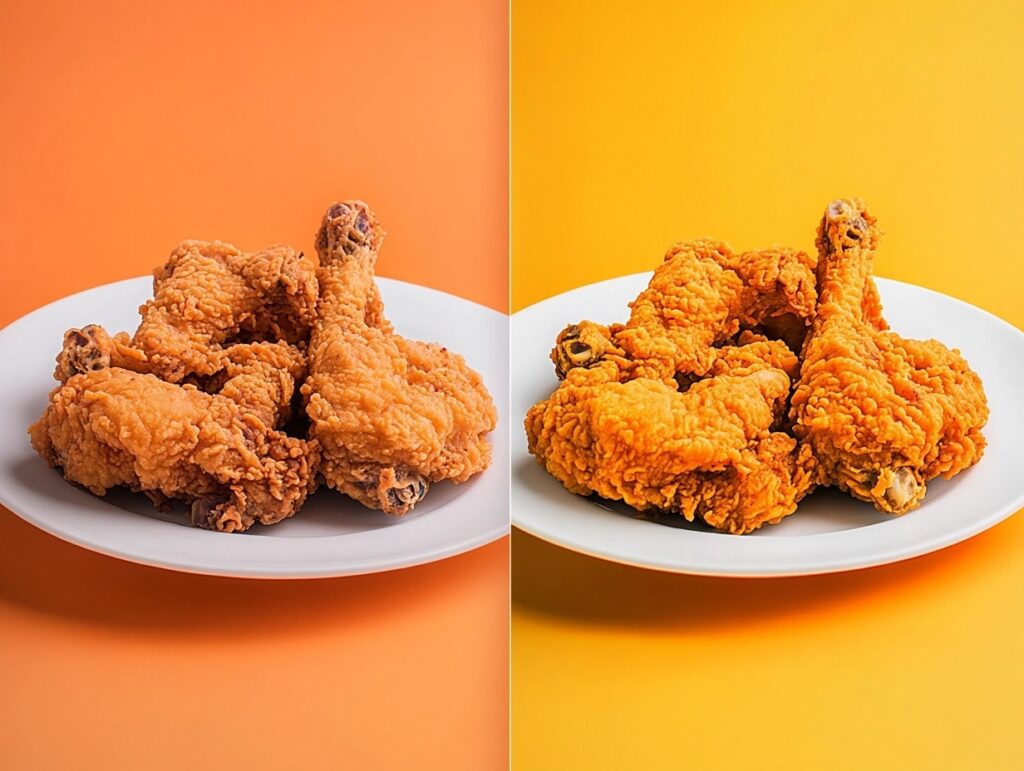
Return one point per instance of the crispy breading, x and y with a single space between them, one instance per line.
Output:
114 427
392 415
208 296
883 414
708 451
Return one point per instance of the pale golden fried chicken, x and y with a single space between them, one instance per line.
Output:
709 451
882 414
112 427
245 371
392 415
207 297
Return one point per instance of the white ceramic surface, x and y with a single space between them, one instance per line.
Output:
330 536
830 531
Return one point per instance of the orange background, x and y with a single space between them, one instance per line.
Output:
124 129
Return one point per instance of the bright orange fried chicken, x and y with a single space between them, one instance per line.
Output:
112 427
882 414
391 415
208 296
709 451
701 295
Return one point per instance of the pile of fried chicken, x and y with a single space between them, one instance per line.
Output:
253 376
741 382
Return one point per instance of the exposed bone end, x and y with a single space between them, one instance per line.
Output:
393 490
347 227
85 350
847 224
903 490
399 490
224 512
891 490
580 345
91 348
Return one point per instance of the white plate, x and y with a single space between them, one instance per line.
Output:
830 531
330 536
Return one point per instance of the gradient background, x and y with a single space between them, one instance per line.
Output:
125 127
638 125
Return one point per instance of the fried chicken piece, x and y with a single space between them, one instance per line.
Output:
392 415
113 427
245 371
709 451
701 295
882 414
208 296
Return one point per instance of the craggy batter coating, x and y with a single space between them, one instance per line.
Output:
680 408
684 407
701 295
208 295
882 414
114 427
259 376
186 408
709 451
392 415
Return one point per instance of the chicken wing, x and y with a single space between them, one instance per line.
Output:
701 295
207 297
882 414
249 372
392 415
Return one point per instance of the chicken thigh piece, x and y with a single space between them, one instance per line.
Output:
392 415
113 427
881 413
709 452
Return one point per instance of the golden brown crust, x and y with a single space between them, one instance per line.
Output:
207 297
113 427
187 407
392 415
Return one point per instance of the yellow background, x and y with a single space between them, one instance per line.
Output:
638 124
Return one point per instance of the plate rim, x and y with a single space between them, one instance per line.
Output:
935 543
234 567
